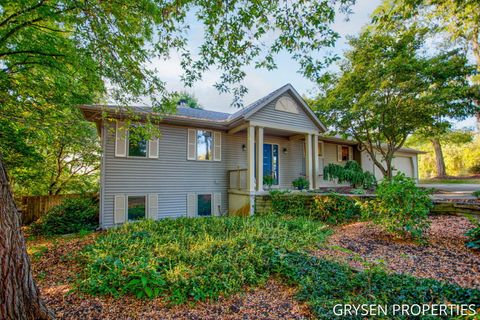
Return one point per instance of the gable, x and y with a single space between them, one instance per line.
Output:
285 110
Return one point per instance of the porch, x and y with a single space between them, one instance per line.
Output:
282 153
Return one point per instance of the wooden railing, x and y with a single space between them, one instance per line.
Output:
238 179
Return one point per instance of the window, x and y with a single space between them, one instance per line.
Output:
137 147
136 208
345 153
204 145
204 203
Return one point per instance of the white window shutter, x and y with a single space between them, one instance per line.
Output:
120 140
339 153
350 153
192 144
120 211
153 206
217 204
153 148
191 205
217 150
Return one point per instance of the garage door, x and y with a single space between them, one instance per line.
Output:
403 164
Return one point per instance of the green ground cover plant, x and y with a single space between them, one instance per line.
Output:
473 235
71 216
192 259
400 207
324 284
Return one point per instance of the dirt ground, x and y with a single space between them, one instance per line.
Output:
444 257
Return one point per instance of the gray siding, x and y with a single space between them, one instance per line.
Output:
270 115
172 176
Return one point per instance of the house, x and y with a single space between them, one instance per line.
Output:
206 163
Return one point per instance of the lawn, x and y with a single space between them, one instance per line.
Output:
217 268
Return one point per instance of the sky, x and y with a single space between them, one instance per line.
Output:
260 82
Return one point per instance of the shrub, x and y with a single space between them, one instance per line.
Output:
287 203
400 208
476 194
475 169
73 215
351 173
300 183
335 209
473 235
192 259
324 283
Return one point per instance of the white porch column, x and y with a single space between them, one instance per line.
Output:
308 160
250 159
315 161
259 137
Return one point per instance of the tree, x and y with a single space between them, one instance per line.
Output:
59 53
66 159
448 136
458 20
185 99
451 159
387 89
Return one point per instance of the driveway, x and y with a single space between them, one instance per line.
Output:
452 190
453 187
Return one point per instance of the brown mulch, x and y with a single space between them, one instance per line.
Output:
444 257
55 269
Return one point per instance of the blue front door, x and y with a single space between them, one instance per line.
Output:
270 161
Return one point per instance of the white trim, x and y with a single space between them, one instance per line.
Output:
118 201
152 206
308 160
259 160
315 161
217 146
250 159
238 128
121 139
282 127
191 205
153 149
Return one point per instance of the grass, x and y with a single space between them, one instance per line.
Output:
324 284
193 259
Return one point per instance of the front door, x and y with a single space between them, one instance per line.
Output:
270 161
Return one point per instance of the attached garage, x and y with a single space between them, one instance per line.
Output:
405 165
405 161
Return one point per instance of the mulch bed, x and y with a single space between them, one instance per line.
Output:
55 267
444 257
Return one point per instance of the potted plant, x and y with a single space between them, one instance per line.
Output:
300 183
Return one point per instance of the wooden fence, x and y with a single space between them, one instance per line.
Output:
33 207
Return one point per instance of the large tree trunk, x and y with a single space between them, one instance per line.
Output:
19 295
439 160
